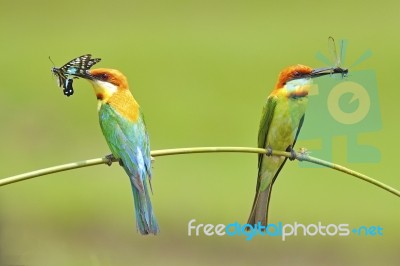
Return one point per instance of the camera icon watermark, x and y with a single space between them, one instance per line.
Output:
343 107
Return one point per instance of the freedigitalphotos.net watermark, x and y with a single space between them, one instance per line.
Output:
284 231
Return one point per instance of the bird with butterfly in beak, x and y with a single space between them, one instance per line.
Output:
122 123
281 121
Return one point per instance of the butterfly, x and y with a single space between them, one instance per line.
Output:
76 67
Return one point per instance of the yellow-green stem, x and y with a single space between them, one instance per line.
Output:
299 156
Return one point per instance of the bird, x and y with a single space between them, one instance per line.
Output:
123 126
281 121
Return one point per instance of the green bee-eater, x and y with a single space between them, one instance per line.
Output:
281 121
122 123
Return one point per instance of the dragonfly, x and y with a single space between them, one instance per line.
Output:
334 61
337 59
78 66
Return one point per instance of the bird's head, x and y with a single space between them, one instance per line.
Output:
297 79
106 82
111 87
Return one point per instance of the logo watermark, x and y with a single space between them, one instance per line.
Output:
281 230
343 106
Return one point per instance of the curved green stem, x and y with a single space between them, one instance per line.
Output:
302 156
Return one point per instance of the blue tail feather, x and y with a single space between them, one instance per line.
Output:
145 218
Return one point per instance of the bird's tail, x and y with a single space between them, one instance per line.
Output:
145 219
259 211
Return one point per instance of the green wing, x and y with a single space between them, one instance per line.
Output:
128 141
265 123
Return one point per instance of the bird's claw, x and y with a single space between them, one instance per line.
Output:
269 151
111 158
293 154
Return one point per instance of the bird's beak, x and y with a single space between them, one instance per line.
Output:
85 75
318 72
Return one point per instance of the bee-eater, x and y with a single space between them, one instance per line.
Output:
281 121
122 123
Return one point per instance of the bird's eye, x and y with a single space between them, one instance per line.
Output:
104 76
101 76
296 74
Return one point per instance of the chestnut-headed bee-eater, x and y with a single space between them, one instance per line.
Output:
123 126
281 121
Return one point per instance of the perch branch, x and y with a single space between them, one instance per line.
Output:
301 156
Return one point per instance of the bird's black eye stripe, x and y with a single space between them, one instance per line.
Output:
297 74
102 76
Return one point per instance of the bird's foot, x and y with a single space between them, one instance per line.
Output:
269 151
293 154
111 158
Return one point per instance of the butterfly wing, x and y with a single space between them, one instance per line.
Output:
61 77
76 67
80 65
68 89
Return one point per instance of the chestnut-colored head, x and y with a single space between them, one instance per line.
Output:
111 76
107 82
111 87
291 73
295 81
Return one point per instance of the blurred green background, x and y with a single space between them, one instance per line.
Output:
201 71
